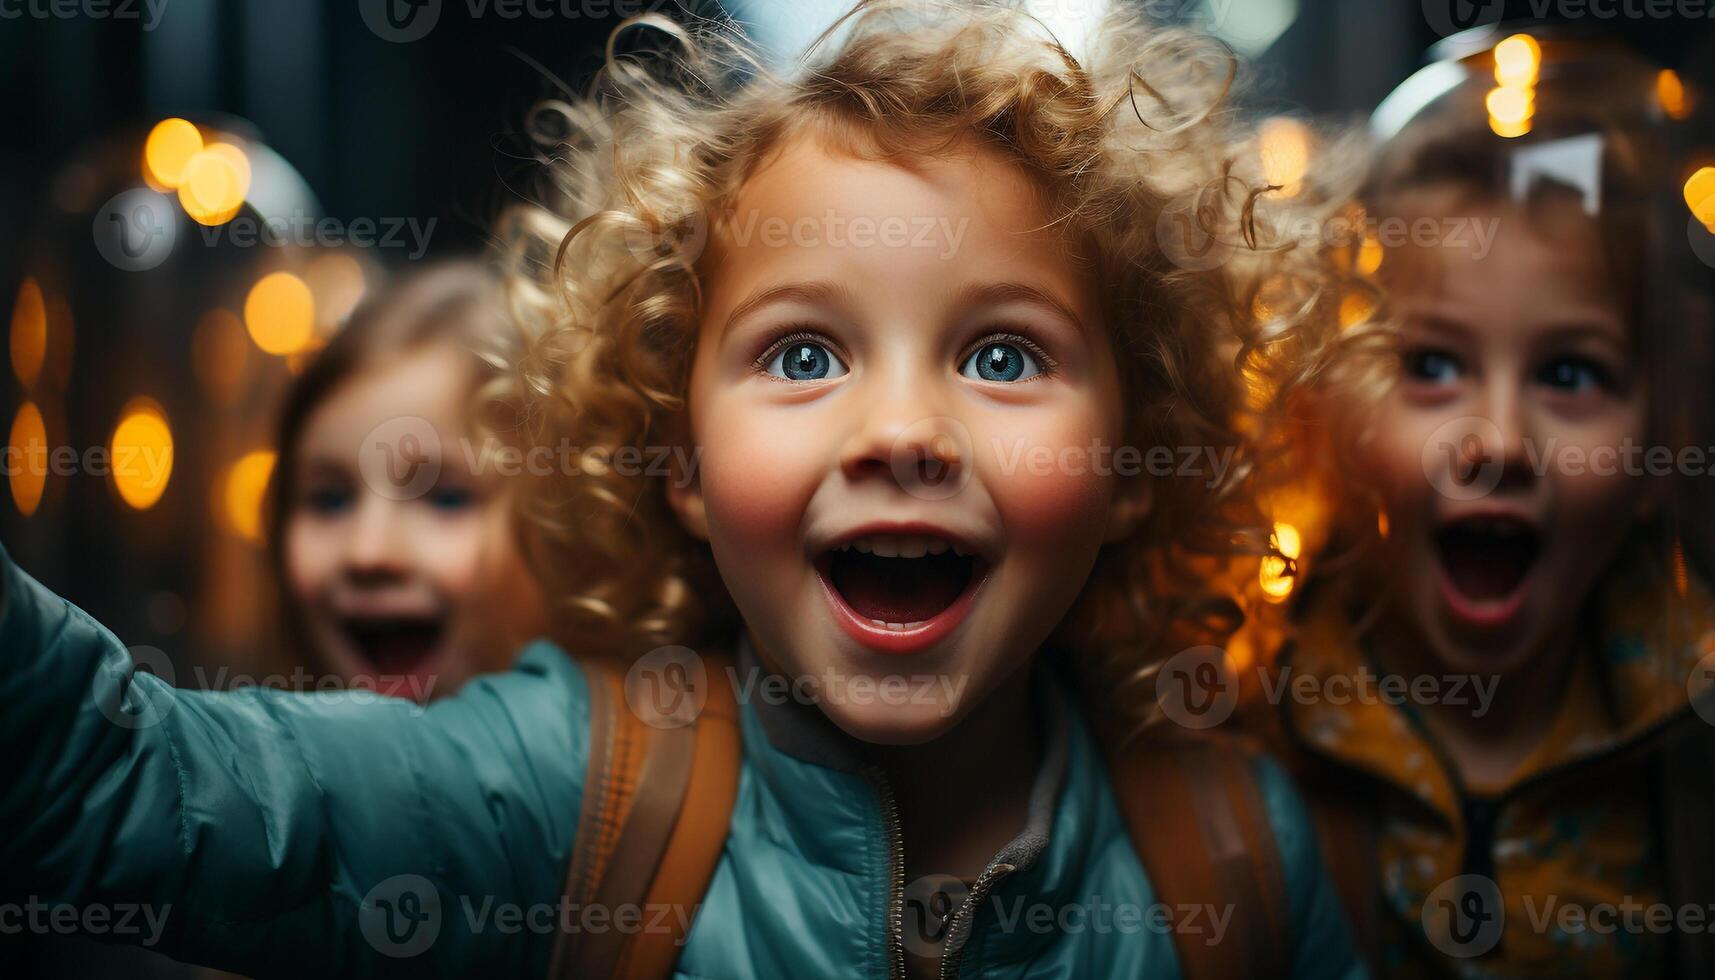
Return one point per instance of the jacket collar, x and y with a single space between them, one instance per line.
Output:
797 754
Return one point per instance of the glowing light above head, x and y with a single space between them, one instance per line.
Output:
169 147
214 184
1700 196
28 474
1510 110
1284 145
1518 59
141 453
1278 575
280 314
246 486
29 332
1670 92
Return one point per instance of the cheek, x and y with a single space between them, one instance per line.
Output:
757 471
1050 475
1593 471
450 551
1391 459
311 548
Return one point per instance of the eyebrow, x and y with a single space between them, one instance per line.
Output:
1564 328
977 294
813 293
832 293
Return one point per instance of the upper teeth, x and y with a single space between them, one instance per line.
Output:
901 545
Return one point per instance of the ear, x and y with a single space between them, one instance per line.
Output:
1132 501
685 490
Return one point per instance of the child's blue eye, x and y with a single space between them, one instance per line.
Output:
997 361
1434 366
450 498
806 360
327 501
1573 374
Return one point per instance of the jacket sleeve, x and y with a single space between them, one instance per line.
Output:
1322 938
280 834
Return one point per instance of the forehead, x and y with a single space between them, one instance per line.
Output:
431 382
1499 264
814 211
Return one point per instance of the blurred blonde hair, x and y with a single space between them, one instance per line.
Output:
604 277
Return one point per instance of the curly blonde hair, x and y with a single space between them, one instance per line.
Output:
1121 138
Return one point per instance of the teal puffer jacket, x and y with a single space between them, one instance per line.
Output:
279 834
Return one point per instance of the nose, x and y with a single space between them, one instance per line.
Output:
375 549
905 435
1505 407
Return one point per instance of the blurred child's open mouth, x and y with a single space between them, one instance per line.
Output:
1485 564
395 646
900 593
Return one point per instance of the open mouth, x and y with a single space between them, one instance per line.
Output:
900 592
395 644
1485 560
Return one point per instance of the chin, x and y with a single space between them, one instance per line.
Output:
1480 652
894 724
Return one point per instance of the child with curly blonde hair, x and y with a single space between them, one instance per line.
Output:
852 379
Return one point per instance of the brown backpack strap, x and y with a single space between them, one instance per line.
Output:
1200 828
1350 838
658 799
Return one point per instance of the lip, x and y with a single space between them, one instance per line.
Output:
1482 615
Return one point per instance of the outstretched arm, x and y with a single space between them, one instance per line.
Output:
283 834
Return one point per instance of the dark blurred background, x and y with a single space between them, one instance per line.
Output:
345 115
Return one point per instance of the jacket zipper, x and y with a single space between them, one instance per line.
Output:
1637 742
951 960
896 875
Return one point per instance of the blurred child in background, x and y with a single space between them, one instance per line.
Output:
390 523
1515 560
